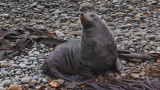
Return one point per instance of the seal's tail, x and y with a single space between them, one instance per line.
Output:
45 68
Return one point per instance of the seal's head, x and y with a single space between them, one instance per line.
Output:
89 20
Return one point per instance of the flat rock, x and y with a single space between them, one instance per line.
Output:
134 75
25 79
86 5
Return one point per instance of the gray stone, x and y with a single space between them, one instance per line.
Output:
25 60
103 10
5 73
123 74
126 26
36 52
158 49
2 88
131 64
40 7
32 58
44 80
86 5
25 80
33 5
18 72
6 82
4 15
134 75
22 65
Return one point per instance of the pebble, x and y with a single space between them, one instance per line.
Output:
133 24
5 73
131 64
25 80
103 10
4 15
135 76
22 65
44 80
32 58
124 62
6 82
86 5
37 87
158 49
18 72
1 88
141 74
123 74
40 7
33 5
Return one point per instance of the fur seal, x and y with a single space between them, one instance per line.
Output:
94 53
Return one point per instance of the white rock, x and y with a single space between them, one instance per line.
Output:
134 75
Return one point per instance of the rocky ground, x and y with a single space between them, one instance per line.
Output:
135 24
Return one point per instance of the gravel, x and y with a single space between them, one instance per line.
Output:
136 27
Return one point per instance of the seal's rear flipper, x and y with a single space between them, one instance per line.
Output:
58 74
117 65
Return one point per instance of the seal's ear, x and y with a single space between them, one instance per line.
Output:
117 65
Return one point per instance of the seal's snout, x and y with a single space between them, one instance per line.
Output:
86 20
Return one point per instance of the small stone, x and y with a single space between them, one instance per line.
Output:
40 7
3 64
5 73
118 77
123 74
18 73
144 42
25 60
44 80
25 80
151 51
86 5
6 82
134 75
100 77
1 85
131 64
4 15
103 10
1 88
36 52
33 5
132 49
32 58
124 62
22 65
138 16
141 74
126 26
131 8
158 49
37 87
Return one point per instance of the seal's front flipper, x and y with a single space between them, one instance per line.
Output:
117 65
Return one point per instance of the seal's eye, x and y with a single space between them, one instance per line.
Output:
92 15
